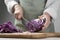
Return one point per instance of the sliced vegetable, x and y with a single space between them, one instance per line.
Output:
8 27
35 25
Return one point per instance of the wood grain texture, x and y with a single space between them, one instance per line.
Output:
29 35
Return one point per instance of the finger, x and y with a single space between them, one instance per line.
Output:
16 16
19 17
41 17
46 24
47 21
44 28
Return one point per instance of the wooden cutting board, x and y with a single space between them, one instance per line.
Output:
29 35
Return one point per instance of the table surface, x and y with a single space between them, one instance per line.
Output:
29 35
24 36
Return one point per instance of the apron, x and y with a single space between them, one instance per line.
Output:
32 9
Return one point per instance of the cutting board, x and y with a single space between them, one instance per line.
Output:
29 35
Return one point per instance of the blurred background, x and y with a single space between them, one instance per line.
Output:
5 16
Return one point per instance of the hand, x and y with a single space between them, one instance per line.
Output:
18 12
48 18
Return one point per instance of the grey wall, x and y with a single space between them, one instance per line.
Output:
5 16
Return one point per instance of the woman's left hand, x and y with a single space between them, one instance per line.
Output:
47 22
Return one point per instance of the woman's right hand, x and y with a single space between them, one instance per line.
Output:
18 12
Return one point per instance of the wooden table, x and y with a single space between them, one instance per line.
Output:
29 35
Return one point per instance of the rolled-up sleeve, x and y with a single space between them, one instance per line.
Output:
52 9
10 4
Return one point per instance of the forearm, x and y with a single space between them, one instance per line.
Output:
52 9
16 7
10 4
